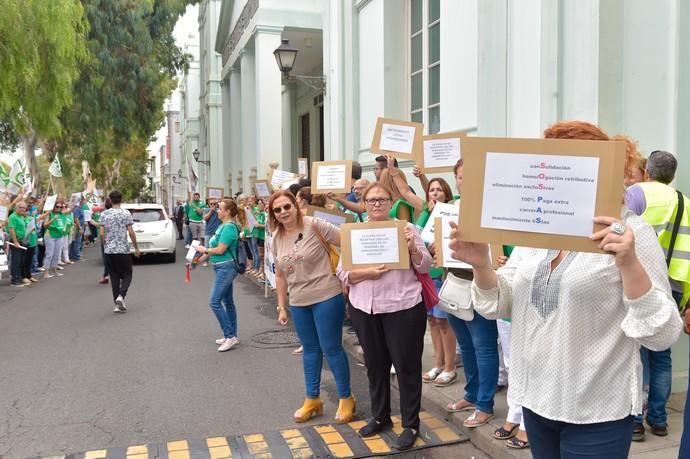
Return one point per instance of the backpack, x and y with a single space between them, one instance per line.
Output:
240 256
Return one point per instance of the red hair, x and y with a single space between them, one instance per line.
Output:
581 130
632 155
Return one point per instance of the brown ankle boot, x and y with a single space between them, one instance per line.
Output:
346 409
311 407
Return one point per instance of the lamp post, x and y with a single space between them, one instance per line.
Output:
285 58
196 155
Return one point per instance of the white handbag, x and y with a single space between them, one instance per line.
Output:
456 297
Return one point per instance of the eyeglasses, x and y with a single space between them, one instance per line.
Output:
280 210
59 207
374 202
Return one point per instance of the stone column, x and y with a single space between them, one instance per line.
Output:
249 115
235 118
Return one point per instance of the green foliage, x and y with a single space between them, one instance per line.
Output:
41 46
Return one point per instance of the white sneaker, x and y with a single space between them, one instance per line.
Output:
26 281
118 310
58 274
228 344
186 246
220 340
392 370
41 269
120 302
47 275
60 268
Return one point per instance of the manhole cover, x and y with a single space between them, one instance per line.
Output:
276 338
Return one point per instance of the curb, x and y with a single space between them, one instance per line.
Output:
435 401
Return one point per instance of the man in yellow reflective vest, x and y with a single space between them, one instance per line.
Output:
667 211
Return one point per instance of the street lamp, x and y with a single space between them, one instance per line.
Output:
285 58
196 155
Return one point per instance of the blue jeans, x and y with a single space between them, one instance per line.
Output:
478 341
187 235
684 451
221 300
320 329
658 372
34 261
75 247
254 248
554 439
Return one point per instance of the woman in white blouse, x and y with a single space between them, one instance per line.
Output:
578 321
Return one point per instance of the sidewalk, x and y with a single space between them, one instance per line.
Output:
434 399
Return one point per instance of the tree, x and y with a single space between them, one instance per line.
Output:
41 46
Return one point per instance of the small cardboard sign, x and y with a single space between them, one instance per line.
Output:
279 177
49 205
303 167
441 152
334 217
215 192
539 193
262 188
331 177
370 244
402 139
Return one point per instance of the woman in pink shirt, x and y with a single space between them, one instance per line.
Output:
387 312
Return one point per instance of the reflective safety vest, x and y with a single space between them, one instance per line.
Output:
660 212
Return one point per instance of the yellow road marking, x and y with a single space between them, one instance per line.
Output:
376 445
220 452
216 441
297 443
182 454
178 445
96 454
324 429
446 434
257 445
341 450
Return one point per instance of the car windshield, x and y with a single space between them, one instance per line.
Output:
147 215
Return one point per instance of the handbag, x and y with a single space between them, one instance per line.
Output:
240 257
429 294
456 297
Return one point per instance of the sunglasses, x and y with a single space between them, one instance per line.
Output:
280 210
59 207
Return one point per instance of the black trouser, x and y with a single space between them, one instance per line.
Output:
397 338
28 258
92 233
120 269
17 258
105 264
178 225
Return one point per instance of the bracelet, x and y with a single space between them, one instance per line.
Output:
280 308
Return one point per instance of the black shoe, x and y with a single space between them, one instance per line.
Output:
374 427
638 432
660 430
406 439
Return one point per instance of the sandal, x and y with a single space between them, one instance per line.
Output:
475 421
516 443
504 434
298 351
431 375
459 405
446 378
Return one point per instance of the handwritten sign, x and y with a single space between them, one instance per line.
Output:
214 192
441 151
448 212
279 177
402 139
334 217
331 177
50 203
369 244
262 189
4 213
303 167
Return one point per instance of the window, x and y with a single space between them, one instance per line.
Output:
425 63
147 215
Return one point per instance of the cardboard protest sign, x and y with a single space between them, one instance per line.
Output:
214 192
49 205
441 151
331 177
262 188
402 139
540 193
334 217
303 167
279 177
370 244
442 245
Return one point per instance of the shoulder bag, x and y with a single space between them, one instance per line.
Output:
456 297
333 255
240 257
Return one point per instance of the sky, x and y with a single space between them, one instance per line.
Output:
186 31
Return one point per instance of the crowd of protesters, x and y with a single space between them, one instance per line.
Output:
581 339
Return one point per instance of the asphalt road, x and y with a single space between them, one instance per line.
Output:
74 376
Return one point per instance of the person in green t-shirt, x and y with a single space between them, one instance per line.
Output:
259 234
16 226
195 215
221 252
54 224
66 235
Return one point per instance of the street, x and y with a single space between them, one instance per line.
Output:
76 377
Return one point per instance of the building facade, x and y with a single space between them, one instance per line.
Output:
189 99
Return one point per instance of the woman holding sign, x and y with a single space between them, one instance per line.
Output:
578 321
389 317
301 253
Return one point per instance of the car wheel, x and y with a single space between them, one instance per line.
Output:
170 258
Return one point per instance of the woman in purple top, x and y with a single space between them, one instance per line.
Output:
389 317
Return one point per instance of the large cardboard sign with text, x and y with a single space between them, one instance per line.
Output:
402 139
539 192
370 244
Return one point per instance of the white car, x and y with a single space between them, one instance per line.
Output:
155 231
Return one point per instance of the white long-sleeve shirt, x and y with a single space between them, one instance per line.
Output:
575 336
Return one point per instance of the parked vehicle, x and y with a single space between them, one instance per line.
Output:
154 229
